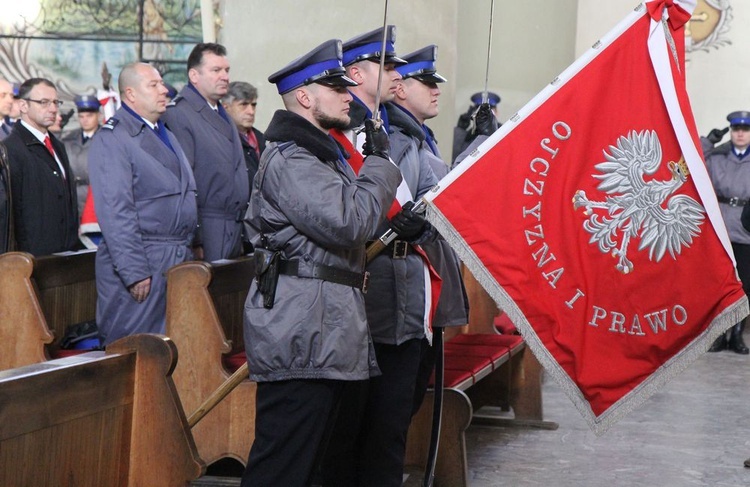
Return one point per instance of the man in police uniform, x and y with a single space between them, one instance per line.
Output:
464 132
144 194
415 102
309 217
77 143
212 145
378 413
729 168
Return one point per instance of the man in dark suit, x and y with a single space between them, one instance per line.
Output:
212 145
44 196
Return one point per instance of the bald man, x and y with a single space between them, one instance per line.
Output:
6 107
145 199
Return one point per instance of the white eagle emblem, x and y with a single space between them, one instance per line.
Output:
636 206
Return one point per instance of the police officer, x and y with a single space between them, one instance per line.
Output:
309 218
379 413
212 145
77 143
416 101
145 199
465 131
730 174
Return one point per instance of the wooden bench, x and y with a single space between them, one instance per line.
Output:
205 304
97 419
481 368
40 298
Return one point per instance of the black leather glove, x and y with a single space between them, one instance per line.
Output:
485 122
716 135
406 223
376 140
464 120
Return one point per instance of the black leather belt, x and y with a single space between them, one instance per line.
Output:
326 273
733 201
398 249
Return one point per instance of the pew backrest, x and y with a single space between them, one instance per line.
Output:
99 419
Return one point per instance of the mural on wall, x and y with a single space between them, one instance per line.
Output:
709 25
68 42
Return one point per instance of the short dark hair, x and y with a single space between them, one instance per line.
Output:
196 55
240 90
29 84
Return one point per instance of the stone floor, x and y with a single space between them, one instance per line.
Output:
695 432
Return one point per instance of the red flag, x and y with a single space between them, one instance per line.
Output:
591 220
89 232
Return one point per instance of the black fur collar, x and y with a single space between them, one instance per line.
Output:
287 126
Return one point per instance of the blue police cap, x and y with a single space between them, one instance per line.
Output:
420 65
368 46
739 118
16 89
321 65
87 103
492 98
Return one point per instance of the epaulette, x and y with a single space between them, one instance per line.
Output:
175 100
111 123
284 145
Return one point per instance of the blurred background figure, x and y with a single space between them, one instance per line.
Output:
465 131
77 143
730 176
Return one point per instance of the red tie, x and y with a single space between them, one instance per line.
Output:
48 145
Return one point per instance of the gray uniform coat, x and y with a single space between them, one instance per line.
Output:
730 177
396 297
212 146
453 305
312 208
78 154
144 194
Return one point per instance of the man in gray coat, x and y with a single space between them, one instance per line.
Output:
378 417
144 193
212 145
309 217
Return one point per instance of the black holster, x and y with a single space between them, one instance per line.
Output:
267 274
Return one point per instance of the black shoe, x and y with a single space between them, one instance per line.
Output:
736 342
719 344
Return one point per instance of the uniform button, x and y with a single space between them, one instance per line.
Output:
180 252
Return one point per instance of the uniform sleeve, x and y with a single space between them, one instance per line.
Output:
111 175
327 208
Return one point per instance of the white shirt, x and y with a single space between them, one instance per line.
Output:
41 136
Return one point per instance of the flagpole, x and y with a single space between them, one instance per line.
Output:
485 93
376 110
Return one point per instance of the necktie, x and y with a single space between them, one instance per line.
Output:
48 145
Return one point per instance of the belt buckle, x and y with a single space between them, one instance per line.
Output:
365 282
734 201
400 249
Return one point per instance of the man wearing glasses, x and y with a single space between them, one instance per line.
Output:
43 185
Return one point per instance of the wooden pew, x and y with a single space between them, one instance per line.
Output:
40 298
205 304
97 419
